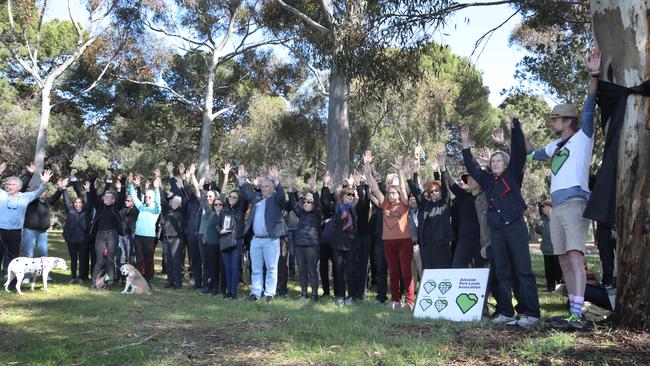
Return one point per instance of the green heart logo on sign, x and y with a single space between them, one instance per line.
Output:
559 159
425 304
429 286
444 287
466 301
441 304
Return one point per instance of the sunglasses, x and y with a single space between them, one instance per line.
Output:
218 204
434 191
350 194
308 202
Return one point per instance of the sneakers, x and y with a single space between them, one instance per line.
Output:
349 302
269 298
502 319
394 305
252 298
340 301
407 307
527 321
569 321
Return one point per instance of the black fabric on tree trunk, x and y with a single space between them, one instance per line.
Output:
612 100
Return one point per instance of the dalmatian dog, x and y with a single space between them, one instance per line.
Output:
135 283
42 266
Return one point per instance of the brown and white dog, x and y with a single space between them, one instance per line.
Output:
36 266
135 283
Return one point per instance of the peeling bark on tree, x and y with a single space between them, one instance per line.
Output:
621 29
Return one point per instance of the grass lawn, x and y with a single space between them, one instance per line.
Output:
72 325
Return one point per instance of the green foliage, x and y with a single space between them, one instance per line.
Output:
557 35
428 112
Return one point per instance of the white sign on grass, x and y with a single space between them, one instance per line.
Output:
452 294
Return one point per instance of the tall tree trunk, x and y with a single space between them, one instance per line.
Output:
41 139
621 29
338 126
204 149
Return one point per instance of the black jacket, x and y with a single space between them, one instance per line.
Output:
37 215
434 218
77 223
363 209
171 220
100 208
469 228
505 202
129 216
345 239
309 223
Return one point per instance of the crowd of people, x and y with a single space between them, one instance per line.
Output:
368 230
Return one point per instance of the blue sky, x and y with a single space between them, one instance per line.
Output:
497 62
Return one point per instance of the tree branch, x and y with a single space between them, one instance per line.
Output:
164 87
76 26
33 71
329 12
38 30
304 17
175 35
321 86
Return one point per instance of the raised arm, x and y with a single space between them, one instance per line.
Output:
399 166
157 187
66 201
517 148
62 184
45 178
195 183
226 177
243 189
473 168
593 65
444 188
372 182
294 203
280 198
137 203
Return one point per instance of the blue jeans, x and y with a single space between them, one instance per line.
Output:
232 262
34 238
511 258
31 239
264 253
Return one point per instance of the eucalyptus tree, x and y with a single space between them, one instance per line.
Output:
44 51
213 33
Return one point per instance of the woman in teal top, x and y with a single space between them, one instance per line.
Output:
145 225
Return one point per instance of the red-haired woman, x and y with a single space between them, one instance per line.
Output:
398 246
435 232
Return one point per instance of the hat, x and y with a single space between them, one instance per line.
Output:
565 110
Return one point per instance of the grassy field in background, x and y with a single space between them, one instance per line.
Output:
72 325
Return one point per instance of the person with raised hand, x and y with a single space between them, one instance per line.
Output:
307 240
13 205
345 244
76 233
235 207
398 247
328 207
266 222
38 218
435 232
570 156
145 225
508 231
